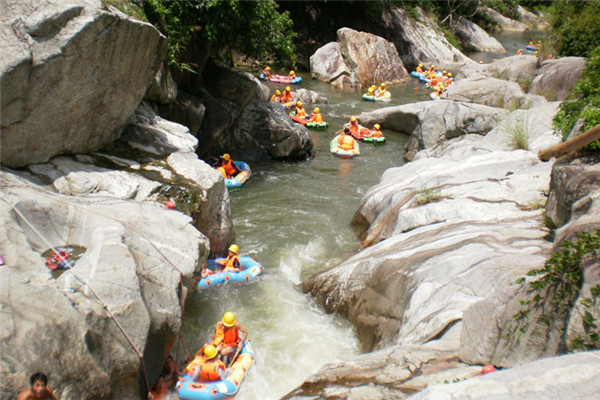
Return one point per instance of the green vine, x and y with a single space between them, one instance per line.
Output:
557 287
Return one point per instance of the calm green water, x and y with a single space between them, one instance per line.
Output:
294 218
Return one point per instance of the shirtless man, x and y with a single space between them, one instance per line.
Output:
38 390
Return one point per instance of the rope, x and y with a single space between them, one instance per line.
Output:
99 299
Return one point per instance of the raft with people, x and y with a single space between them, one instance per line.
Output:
386 97
335 147
239 179
189 389
361 133
250 270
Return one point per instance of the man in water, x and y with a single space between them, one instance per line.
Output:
39 389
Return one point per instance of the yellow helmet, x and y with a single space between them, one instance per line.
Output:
226 156
234 248
300 103
352 119
277 92
382 85
268 68
317 110
376 126
229 319
210 351
288 88
292 73
449 73
420 65
443 72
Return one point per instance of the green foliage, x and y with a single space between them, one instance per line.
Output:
508 8
576 28
558 285
583 101
428 195
129 7
254 28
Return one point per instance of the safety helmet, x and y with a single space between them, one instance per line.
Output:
376 126
234 248
299 103
268 68
289 89
449 73
292 73
382 85
420 65
317 110
210 351
443 72
277 92
229 319
487 369
226 156
352 119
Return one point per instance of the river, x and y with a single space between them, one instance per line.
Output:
294 217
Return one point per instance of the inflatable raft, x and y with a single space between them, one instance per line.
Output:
238 180
250 270
385 98
373 139
286 79
343 153
295 118
309 124
529 47
188 389
362 132
434 96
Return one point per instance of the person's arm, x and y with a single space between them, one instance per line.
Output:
218 338
24 395
236 167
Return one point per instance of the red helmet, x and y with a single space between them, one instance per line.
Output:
487 369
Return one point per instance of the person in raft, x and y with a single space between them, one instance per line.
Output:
276 98
267 72
346 141
39 389
206 366
354 128
380 92
292 74
287 96
232 262
229 337
316 116
419 69
300 111
376 131
228 168
167 378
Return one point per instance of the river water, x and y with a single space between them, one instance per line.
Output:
294 217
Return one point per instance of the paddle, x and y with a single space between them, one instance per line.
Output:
239 348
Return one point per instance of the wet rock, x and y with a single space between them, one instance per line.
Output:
505 23
310 97
521 69
328 65
63 60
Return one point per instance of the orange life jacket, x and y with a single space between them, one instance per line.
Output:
286 96
300 111
346 142
354 128
276 98
316 117
208 370
376 133
228 336
231 264
228 167
266 72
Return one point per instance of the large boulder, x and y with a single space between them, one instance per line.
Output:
521 69
61 71
506 24
357 59
239 120
419 40
474 37
124 295
556 77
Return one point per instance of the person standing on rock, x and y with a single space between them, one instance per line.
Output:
39 389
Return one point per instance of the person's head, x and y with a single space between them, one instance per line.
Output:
420 65
450 74
288 89
268 69
353 120
277 92
226 157
346 131
376 126
292 72
228 319
382 85
317 110
39 382
234 249
299 104
210 352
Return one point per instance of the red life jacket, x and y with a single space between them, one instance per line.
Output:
228 167
354 128
230 335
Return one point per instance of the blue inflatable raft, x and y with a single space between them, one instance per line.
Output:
238 180
188 389
250 270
